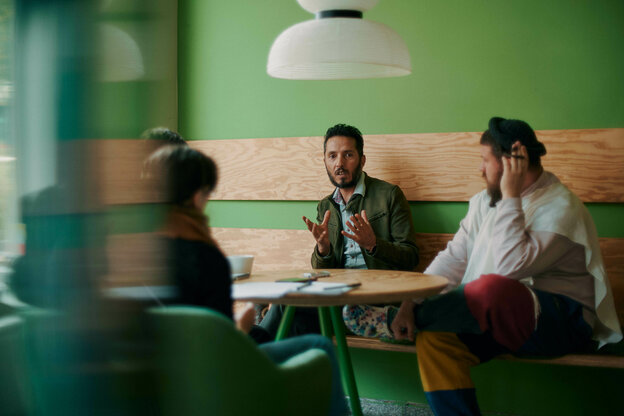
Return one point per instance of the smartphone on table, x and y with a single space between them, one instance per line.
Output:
296 279
306 277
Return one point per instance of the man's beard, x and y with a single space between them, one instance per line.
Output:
495 194
351 184
494 190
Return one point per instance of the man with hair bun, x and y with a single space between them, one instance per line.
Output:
525 273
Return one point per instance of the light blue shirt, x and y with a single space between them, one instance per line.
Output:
352 251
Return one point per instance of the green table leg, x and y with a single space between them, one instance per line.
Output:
325 321
344 360
284 326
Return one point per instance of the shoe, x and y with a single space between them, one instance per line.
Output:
261 311
391 312
369 321
404 341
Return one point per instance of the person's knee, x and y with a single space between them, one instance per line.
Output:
444 361
491 283
318 341
422 342
428 342
503 306
491 290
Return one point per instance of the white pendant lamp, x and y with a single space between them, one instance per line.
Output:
338 44
120 56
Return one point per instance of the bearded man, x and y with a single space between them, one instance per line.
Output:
365 223
525 273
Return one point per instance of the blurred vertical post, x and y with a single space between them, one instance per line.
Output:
90 77
66 342
11 237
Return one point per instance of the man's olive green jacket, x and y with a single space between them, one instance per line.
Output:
388 213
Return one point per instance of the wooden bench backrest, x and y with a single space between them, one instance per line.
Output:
427 167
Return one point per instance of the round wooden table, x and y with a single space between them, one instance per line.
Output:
376 286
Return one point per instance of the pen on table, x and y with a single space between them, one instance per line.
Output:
342 286
308 283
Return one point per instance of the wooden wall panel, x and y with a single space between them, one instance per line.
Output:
428 167
288 168
613 255
429 245
291 249
120 165
272 249
589 162
134 258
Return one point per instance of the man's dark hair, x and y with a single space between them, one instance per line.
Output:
347 131
488 140
165 135
503 133
183 172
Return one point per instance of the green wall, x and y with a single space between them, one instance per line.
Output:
503 387
557 64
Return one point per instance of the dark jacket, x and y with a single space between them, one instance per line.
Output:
202 275
196 265
388 213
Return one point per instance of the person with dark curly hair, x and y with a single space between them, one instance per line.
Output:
197 267
164 135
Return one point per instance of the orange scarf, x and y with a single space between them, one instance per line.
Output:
188 224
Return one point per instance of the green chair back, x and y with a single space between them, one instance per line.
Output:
15 388
208 367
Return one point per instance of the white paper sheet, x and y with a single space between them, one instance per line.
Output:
268 290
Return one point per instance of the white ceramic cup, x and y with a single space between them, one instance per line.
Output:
240 265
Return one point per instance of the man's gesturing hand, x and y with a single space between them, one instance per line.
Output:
363 233
514 171
320 233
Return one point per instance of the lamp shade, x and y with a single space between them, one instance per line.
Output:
119 54
338 48
315 6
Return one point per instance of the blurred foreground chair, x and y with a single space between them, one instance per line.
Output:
73 370
15 393
208 367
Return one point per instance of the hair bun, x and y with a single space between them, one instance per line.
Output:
507 131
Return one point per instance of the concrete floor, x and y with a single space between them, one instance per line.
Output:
374 407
